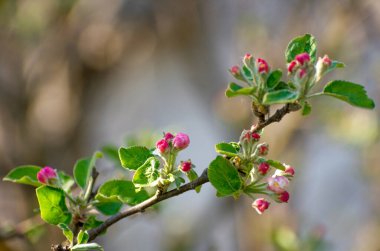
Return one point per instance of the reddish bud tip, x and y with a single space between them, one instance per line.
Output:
263 66
290 170
181 141
263 149
283 197
162 146
256 136
326 60
247 56
168 136
46 175
186 166
292 66
263 168
235 70
260 205
303 58
302 73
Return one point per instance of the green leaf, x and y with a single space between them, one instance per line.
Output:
234 90
147 174
279 97
91 222
87 246
52 205
306 109
224 176
111 152
274 79
83 169
82 237
133 157
24 175
66 232
66 181
192 175
108 208
247 73
335 64
123 191
226 149
351 93
305 43
276 164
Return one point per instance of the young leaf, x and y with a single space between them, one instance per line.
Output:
87 247
234 90
305 43
66 181
274 79
133 157
147 174
111 152
83 169
66 232
192 175
226 149
24 175
280 97
82 237
224 176
247 73
351 93
52 205
123 191
276 164
335 64
306 109
108 208
91 222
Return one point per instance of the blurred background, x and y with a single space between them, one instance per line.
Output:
78 74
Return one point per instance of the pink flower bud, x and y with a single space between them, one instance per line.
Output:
168 136
303 58
283 197
263 66
186 165
263 149
302 73
162 146
291 66
260 205
181 141
256 136
263 168
277 184
290 170
326 60
247 56
46 175
235 70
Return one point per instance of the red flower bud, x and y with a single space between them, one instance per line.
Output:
290 170
256 136
181 141
263 66
168 136
186 166
302 73
260 205
326 60
162 146
235 70
291 66
263 149
303 58
263 168
247 56
283 197
46 175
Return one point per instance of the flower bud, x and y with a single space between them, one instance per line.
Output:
263 149
186 166
302 73
262 66
260 205
162 146
47 175
289 170
235 70
283 197
168 136
291 67
263 168
255 136
303 58
181 141
277 184
322 65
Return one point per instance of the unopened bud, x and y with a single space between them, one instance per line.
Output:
322 65
263 168
277 184
168 136
263 149
181 141
290 171
291 67
256 136
260 205
186 166
302 73
235 70
47 175
162 146
262 66
303 58
283 197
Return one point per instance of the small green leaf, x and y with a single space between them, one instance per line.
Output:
91 222
108 208
276 164
247 73
111 152
83 169
224 176
133 157
274 79
82 237
306 109
280 97
52 205
334 65
66 181
147 174
282 86
351 93
192 175
24 175
66 232
123 191
234 90
305 43
87 247
226 149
